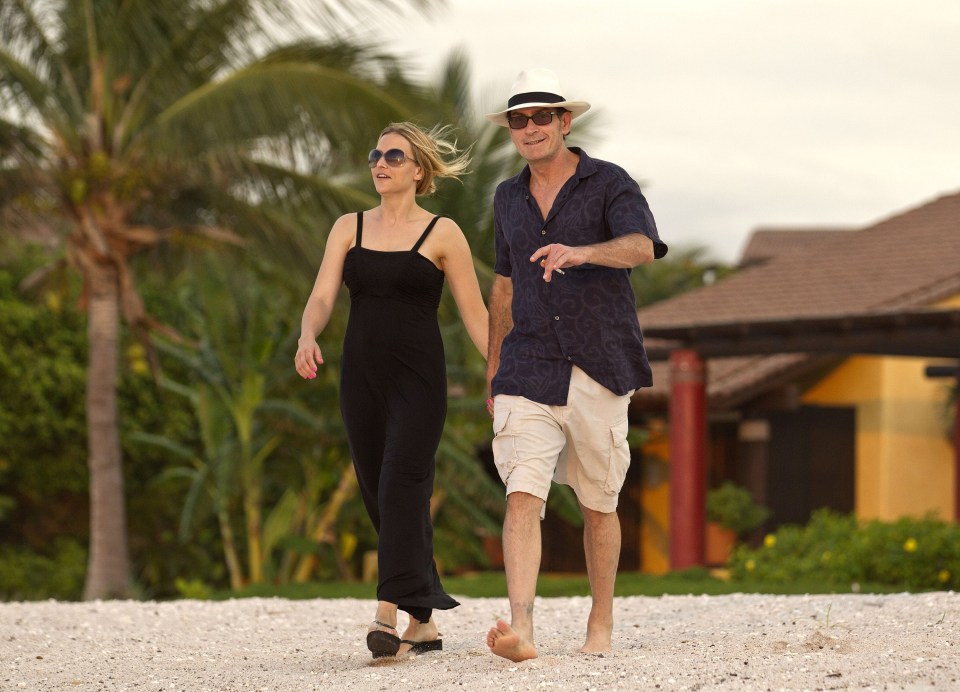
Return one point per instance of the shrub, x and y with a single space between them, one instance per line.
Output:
26 576
732 507
914 554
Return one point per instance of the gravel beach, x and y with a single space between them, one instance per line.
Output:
735 642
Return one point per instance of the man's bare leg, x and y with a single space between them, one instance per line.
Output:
521 560
601 546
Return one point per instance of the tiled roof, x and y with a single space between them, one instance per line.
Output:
768 243
909 260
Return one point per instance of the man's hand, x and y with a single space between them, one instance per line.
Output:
555 256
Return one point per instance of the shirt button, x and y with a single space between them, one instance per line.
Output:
543 231
556 317
569 357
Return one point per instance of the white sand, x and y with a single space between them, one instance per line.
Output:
737 642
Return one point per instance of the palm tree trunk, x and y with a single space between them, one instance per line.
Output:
108 568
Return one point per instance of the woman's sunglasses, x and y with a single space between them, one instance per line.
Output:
518 121
395 158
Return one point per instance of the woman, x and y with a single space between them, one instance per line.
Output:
393 397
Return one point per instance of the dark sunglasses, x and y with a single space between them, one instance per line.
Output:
518 121
395 158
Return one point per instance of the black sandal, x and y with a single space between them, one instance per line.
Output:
418 648
382 643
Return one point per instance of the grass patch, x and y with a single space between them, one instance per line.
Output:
493 585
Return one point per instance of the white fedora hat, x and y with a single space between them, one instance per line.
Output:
536 87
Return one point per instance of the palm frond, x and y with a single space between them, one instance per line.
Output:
20 143
164 443
293 410
159 55
454 85
32 32
26 92
265 100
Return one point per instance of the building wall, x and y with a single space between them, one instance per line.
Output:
904 457
655 494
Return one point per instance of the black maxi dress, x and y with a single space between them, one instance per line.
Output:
393 397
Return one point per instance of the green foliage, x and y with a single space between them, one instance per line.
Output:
43 473
733 507
913 554
41 396
235 386
192 588
28 576
683 269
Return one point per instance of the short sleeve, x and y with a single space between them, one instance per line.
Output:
628 212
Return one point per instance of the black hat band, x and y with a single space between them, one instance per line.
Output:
534 97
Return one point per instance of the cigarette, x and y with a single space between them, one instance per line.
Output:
559 271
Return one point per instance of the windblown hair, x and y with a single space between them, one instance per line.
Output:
435 152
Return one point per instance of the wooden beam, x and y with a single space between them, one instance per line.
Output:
925 334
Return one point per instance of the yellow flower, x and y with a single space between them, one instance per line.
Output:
769 540
943 576
750 565
910 545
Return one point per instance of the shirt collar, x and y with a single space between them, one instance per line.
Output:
585 168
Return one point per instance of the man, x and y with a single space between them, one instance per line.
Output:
566 352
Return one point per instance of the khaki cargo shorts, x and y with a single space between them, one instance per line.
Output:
582 444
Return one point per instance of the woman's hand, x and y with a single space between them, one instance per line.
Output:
307 359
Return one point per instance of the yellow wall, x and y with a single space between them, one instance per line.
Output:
655 500
904 458
948 303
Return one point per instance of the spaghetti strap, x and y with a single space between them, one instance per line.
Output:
433 222
359 228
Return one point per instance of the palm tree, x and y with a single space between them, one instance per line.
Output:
126 125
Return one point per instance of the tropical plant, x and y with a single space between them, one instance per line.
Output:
247 415
126 125
732 507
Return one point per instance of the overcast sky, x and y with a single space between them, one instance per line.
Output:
734 114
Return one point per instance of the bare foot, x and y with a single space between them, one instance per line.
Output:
503 641
597 642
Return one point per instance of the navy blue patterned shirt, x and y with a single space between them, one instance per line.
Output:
587 317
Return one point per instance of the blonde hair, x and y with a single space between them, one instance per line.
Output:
434 151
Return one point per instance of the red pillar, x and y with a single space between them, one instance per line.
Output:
687 465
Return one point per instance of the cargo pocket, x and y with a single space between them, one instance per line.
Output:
504 443
619 460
